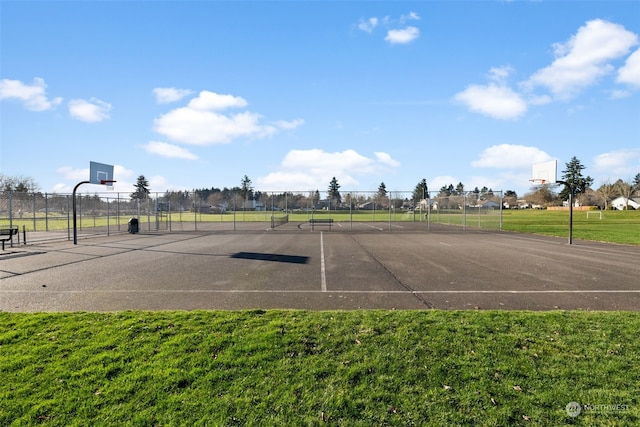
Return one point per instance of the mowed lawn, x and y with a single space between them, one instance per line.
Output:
357 368
614 227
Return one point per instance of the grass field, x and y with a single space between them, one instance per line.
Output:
358 368
614 227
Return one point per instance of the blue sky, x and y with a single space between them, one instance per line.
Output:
199 94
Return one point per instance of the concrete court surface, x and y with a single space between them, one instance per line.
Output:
293 267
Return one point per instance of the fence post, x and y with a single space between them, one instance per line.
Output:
501 203
34 212
46 212
464 211
68 220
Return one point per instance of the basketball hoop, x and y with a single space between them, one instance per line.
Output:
108 183
536 184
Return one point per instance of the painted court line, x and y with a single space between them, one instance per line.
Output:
311 291
322 269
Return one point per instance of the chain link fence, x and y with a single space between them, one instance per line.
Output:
42 216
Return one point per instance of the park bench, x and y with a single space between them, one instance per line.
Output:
321 221
7 234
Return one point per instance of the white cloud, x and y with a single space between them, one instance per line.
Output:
510 156
402 36
630 72
313 169
71 174
283 124
368 25
405 34
202 121
207 100
619 164
91 111
169 150
582 60
386 159
411 16
197 127
165 95
579 63
500 74
158 183
33 97
497 101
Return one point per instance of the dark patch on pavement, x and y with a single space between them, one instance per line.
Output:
294 259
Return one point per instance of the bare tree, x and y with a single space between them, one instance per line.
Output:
606 192
543 196
625 189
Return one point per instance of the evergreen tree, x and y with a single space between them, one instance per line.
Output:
142 189
334 193
446 191
573 179
421 191
381 195
382 191
246 190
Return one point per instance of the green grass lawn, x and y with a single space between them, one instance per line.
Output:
614 227
358 368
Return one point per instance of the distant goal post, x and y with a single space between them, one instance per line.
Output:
597 213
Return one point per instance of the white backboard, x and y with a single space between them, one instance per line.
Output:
545 172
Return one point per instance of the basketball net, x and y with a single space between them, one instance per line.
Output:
107 183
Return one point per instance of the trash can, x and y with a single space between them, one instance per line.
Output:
133 225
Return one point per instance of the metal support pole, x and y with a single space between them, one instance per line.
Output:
570 215
571 195
75 228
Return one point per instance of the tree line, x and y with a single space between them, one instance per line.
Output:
573 182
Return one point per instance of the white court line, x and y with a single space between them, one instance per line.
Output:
308 291
323 275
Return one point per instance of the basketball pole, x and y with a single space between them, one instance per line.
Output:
571 194
75 189
75 228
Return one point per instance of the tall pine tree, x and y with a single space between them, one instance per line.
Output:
334 191
573 179
421 191
141 189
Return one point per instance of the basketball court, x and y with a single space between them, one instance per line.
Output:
399 266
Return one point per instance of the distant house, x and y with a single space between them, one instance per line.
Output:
424 204
490 205
621 202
